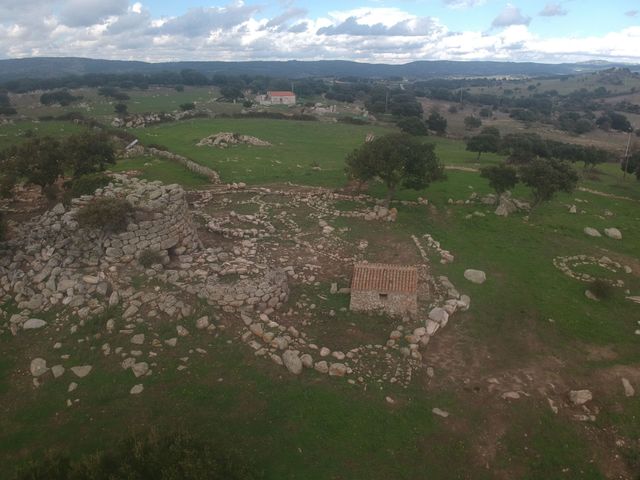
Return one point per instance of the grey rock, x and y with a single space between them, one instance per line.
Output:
580 397
591 232
613 233
475 276
322 366
33 323
629 391
140 369
82 370
57 370
292 362
38 367
136 389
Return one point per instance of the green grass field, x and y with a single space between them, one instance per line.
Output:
528 320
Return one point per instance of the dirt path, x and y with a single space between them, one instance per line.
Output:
462 169
608 195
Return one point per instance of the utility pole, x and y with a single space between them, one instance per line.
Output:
626 156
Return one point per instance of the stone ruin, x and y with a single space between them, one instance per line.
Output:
227 139
51 260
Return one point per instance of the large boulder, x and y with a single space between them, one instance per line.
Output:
33 323
475 276
613 233
592 232
292 362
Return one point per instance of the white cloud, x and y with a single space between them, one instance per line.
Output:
511 15
241 32
553 10
461 4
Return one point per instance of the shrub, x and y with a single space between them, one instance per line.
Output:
169 457
187 106
109 214
149 257
413 126
601 289
472 122
87 184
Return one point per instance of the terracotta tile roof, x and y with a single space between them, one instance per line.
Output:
281 94
384 278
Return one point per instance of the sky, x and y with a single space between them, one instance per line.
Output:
377 31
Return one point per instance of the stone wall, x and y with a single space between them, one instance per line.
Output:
394 303
264 295
188 164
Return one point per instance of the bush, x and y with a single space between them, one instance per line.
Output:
413 126
185 107
149 257
87 184
109 214
601 289
170 457
472 122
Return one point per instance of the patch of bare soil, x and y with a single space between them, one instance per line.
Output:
486 376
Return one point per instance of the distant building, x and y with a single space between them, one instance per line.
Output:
391 288
277 98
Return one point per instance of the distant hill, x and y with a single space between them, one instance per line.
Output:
50 67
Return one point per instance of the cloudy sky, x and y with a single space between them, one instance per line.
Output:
360 30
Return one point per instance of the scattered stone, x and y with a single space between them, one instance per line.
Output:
591 296
182 332
390 400
72 387
202 323
592 232
172 342
136 389
57 370
38 367
440 412
81 371
580 397
140 369
629 391
511 396
138 339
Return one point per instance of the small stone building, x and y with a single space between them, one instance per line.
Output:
391 288
277 98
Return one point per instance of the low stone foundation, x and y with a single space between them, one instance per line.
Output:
264 294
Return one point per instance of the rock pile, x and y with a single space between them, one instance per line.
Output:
227 139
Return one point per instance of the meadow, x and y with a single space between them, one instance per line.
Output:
530 329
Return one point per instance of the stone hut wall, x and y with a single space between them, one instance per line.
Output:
393 303
267 294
